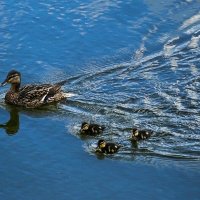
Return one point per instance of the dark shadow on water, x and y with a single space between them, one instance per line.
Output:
134 144
11 127
100 156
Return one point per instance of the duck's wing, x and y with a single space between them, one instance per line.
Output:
38 92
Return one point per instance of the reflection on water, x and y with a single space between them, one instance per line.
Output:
11 127
133 63
153 83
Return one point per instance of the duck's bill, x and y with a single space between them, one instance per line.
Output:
3 83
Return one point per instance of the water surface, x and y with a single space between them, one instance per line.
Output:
130 64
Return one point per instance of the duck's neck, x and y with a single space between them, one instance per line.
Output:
15 87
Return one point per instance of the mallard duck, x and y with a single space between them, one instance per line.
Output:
139 134
107 148
31 96
91 129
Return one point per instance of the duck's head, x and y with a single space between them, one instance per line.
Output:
101 144
135 134
13 77
84 126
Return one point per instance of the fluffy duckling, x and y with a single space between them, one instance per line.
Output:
107 148
31 96
91 129
139 134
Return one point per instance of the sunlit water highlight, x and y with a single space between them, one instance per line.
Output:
130 64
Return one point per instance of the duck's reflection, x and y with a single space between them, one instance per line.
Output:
11 127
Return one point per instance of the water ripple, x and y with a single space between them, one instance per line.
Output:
157 91
156 85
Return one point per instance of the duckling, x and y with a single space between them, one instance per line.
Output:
31 96
139 135
107 148
91 129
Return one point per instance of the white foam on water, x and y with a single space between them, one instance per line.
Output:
194 43
190 21
68 95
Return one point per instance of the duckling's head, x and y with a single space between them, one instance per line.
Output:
135 134
84 126
13 77
101 144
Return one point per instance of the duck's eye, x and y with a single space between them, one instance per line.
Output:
13 77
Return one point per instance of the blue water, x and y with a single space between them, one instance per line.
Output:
130 64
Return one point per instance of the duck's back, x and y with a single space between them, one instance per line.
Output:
37 95
31 92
